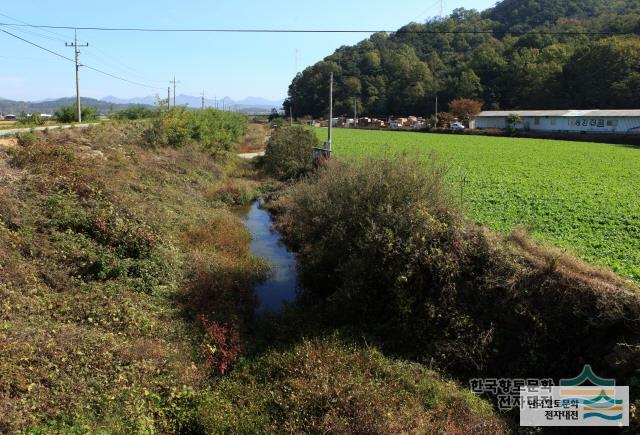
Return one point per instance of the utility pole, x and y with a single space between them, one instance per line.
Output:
76 47
436 110
174 83
355 112
203 99
330 111
168 97
290 115
215 100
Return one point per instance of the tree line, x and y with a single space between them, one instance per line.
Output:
535 54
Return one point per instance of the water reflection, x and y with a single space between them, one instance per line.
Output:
282 284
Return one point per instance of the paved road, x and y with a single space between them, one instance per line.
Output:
12 131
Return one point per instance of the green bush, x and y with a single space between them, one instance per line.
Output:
217 130
33 119
169 129
383 246
212 129
26 139
135 112
288 153
69 114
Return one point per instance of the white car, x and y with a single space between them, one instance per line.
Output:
457 126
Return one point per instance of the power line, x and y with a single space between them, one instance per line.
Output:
72 60
39 46
400 31
58 35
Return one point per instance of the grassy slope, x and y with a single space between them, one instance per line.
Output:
92 259
580 196
109 252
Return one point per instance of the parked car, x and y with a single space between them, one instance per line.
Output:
457 126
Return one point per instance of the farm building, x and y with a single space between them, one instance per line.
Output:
570 121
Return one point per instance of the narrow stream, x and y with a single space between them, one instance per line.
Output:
282 284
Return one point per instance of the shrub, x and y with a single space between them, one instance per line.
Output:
26 139
221 346
212 129
288 153
216 130
135 112
326 386
381 243
169 129
69 114
33 119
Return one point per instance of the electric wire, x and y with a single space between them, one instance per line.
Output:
240 30
72 60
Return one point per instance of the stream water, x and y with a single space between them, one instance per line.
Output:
282 283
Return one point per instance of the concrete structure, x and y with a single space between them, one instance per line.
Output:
568 121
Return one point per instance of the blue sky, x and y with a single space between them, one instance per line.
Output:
235 65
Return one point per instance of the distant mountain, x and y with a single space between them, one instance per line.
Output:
110 103
196 102
50 106
260 102
144 101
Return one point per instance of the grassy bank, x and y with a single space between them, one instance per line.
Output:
126 302
386 252
96 257
579 196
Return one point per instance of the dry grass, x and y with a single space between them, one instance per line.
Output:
256 138
325 386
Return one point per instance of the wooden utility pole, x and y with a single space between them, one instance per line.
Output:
328 148
174 83
355 113
76 47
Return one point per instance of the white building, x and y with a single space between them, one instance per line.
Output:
568 121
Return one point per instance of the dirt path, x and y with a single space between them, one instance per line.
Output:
12 131
251 155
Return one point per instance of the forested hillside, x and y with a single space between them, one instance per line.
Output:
520 54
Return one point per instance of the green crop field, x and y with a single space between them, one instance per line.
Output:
581 196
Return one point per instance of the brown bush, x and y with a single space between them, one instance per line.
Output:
221 346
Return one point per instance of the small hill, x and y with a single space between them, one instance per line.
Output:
50 106
519 54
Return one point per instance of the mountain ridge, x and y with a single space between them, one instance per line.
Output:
110 103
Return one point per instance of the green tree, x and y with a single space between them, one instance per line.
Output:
288 152
605 74
69 114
